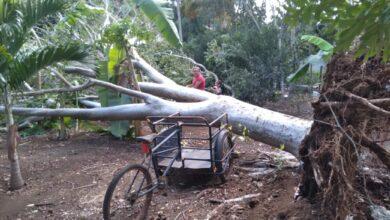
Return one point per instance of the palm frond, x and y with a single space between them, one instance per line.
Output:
162 17
25 66
10 22
24 15
7 11
5 58
35 10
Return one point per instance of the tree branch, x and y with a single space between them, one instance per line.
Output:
147 97
177 92
28 121
61 77
121 112
57 90
153 74
90 104
27 86
208 72
80 71
193 62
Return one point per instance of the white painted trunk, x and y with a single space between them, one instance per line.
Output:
264 125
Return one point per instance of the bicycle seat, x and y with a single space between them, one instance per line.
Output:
146 138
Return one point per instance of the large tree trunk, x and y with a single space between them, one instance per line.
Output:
16 180
262 124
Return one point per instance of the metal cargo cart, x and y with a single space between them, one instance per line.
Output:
169 147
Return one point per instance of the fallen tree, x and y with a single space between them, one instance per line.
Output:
261 124
332 152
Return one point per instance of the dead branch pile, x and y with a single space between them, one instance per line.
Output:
346 155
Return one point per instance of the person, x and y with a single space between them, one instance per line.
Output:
217 88
198 81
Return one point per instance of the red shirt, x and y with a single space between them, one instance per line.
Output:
199 78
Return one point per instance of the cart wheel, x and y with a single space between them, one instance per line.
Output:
127 196
222 147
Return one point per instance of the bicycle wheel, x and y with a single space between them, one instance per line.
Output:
128 196
222 147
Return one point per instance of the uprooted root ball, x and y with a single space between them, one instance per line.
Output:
346 164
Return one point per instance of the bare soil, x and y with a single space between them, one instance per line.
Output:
68 180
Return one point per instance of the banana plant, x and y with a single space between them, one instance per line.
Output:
18 63
315 61
110 70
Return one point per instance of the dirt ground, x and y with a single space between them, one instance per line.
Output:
68 180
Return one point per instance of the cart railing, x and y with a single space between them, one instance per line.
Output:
167 144
161 143
176 117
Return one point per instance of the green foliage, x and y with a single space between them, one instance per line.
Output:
161 16
252 61
118 37
234 41
91 126
366 23
80 12
39 128
174 68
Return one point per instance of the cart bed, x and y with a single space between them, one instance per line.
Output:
190 164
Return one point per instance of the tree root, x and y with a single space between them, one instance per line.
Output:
351 113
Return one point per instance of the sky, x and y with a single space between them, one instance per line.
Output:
269 5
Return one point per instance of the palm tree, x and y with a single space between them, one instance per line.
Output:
18 63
